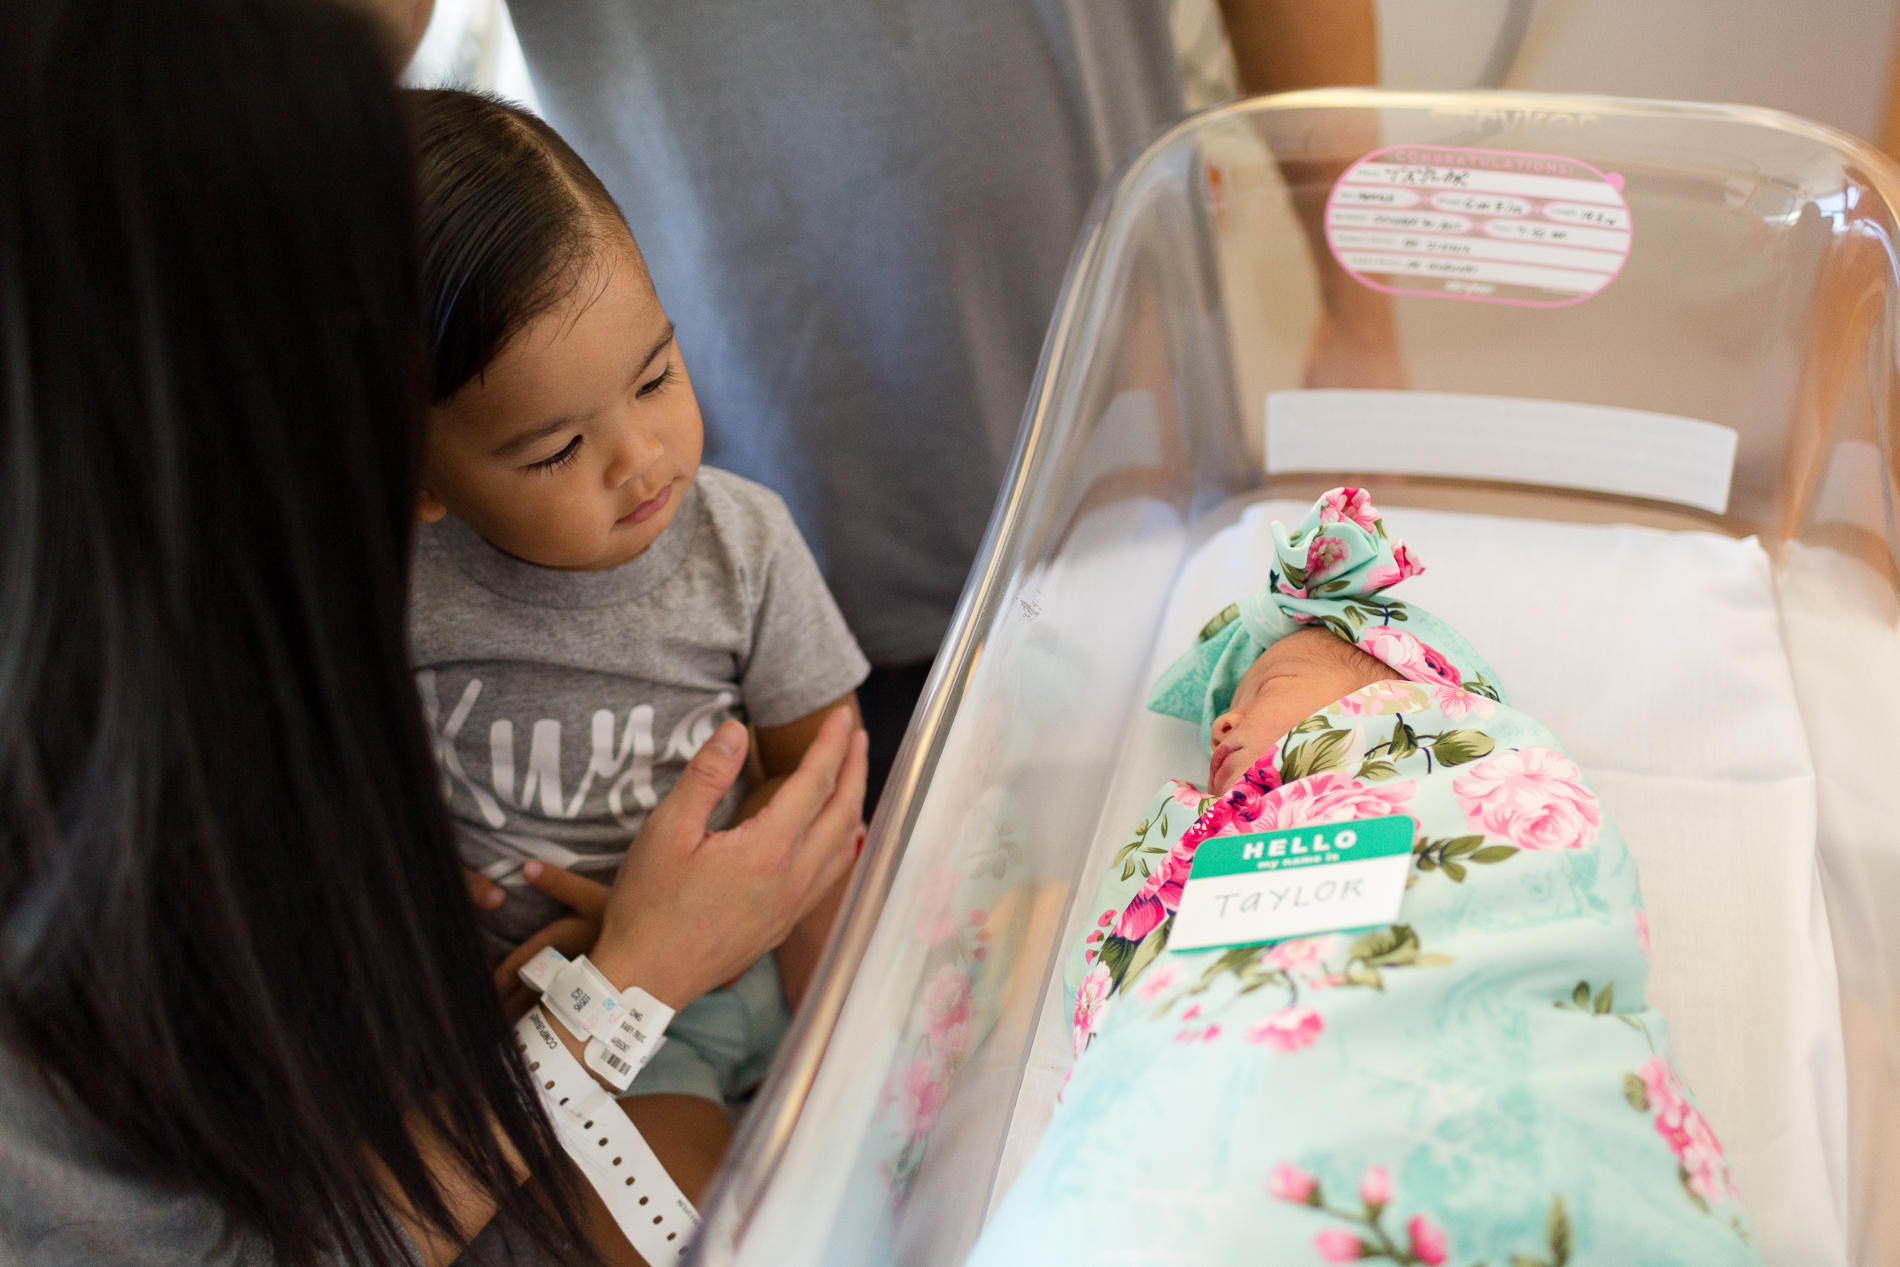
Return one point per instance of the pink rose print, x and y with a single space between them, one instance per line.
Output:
1331 796
1323 555
1156 980
1192 1035
1185 794
1408 656
1287 1030
1290 1183
936 923
1428 1241
1375 1186
1090 1003
946 1004
1302 952
1458 704
1642 930
1337 1245
1404 564
1686 1131
1532 797
952 1042
1353 505
922 1096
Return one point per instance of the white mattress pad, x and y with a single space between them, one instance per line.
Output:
1657 659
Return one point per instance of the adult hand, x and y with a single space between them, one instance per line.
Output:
692 908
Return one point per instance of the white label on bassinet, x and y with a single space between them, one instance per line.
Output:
1629 452
1495 226
1291 883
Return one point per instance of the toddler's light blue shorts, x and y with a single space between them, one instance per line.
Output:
721 1044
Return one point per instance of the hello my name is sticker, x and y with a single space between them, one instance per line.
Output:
1295 883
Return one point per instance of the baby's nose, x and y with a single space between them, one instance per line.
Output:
1223 725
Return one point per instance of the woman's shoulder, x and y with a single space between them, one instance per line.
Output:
68 1194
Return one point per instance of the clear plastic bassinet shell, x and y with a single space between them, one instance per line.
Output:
1760 295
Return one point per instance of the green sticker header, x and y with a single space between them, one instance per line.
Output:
1303 847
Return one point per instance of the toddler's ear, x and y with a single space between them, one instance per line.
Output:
429 507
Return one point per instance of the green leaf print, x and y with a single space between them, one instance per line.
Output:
1316 722
1387 946
1605 997
1682 1176
1376 770
1151 946
1635 1092
1404 741
1115 954
1557 1232
1296 576
1323 752
1455 747
1454 855
1228 615
1581 995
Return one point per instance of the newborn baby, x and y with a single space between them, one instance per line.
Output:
1292 679
1476 1079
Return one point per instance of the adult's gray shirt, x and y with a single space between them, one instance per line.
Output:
858 213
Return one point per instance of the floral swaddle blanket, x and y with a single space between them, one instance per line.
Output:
1479 1082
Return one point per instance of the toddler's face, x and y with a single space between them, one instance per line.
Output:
573 448
1295 677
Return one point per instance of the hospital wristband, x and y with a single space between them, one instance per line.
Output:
593 1129
622 1029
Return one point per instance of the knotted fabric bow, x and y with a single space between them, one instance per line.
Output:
1333 570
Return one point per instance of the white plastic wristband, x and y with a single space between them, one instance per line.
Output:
622 1029
593 1129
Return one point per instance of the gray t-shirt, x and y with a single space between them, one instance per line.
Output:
564 705
70 1197
859 213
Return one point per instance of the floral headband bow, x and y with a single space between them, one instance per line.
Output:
1331 571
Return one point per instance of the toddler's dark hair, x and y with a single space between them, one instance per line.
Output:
509 216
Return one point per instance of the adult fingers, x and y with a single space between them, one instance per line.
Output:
586 897
835 835
809 788
705 780
482 891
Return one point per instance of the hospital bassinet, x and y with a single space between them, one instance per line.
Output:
1758 293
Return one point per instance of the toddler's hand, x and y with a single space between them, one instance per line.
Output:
482 891
571 934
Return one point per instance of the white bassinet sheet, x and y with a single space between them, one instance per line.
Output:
1657 659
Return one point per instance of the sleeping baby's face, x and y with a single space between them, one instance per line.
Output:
1297 676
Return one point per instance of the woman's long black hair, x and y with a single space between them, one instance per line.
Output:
232 929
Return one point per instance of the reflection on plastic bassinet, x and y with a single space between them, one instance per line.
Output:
1759 294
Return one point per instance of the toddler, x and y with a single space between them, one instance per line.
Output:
1456 1066
589 602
